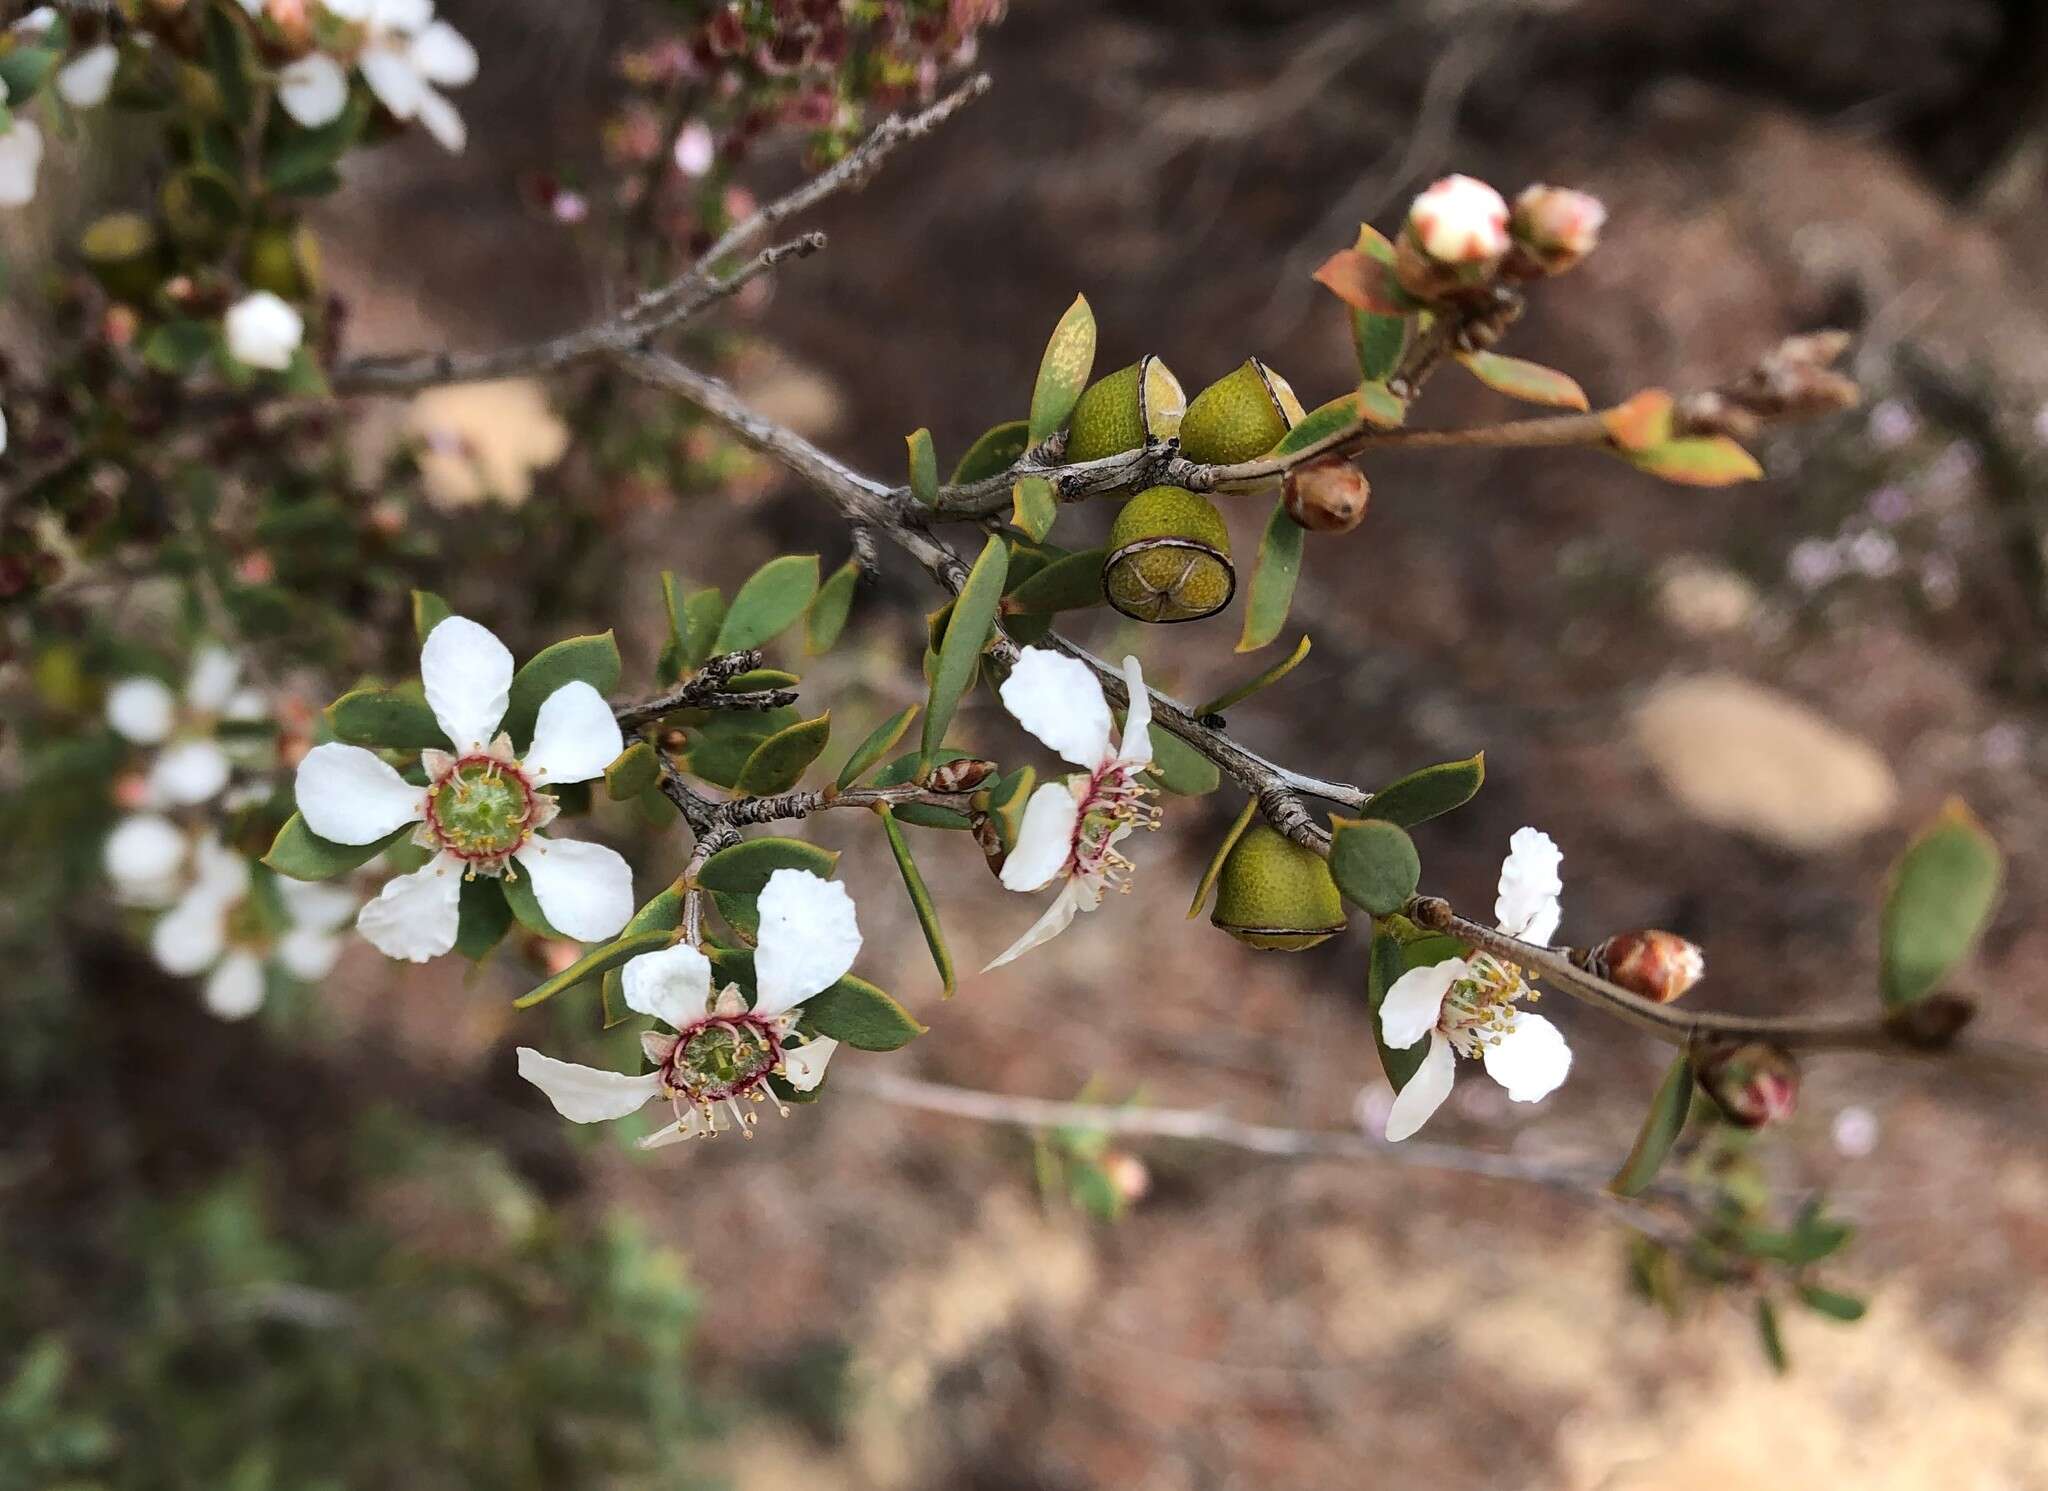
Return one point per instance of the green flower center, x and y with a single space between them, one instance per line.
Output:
481 809
724 1057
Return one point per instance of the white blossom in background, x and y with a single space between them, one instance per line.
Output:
263 331
190 766
1460 220
313 90
146 859
1467 1006
1071 828
483 807
84 81
407 56
214 930
21 156
719 1054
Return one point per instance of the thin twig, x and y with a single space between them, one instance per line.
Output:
706 689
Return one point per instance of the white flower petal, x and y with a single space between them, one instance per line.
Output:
191 935
415 916
313 90
1425 1092
804 1066
235 989
1057 699
347 795
1058 916
1530 1060
263 331
142 857
1045 838
809 936
21 155
692 1125
672 985
443 122
467 673
1529 887
84 80
574 736
393 79
212 682
1415 1003
1135 750
314 907
308 954
443 55
220 874
191 771
403 16
587 1094
585 890
357 11
142 709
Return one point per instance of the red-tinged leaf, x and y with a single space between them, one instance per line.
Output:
1375 244
1362 282
1531 382
1700 461
1639 422
1378 407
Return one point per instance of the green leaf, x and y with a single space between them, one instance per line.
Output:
664 914
759 681
921 815
599 961
636 770
518 889
1388 960
827 617
1846 1308
1032 508
741 913
1661 1127
780 761
24 68
924 467
1531 382
1380 341
773 597
1272 590
920 899
1070 583
1770 1338
974 613
743 868
1363 282
1320 424
591 660
397 719
483 918
1006 800
1063 372
297 160
693 621
1207 884
428 612
1264 680
852 1010
1179 768
1379 407
720 746
881 740
1429 793
994 453
1374 863
1698 461
300 854
178 347
1941 894
227 58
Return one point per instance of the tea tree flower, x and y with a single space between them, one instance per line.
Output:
313 90
1071 829
407 56
145 859
483 805
1460 220
21 157
1467 1006
217 928
264 331
84 81
191 765
714 1061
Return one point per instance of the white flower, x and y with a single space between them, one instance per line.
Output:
144 857
264 331
1466 1006
483 805
721 1053
191 766
213 930
21 155
1460 221
313 90
84 80
1071 828
405 54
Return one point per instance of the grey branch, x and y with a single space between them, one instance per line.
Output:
706 689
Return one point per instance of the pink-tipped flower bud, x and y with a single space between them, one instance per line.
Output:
1751 1082
1557 226
1462 221
1656 965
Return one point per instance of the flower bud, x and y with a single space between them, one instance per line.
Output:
1460 221
1751 1082
1557 226
963 775
1327 495
1656 965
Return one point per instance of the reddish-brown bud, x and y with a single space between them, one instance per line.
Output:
1656 965
1327 495
1933 1023
1751 1082
1557 226
963 775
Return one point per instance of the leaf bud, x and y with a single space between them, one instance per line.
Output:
1657 965
1327 495
1753 1083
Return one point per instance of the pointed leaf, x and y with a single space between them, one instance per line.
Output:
593 964
1769 1336
829 610
1709 461
428 612
1941 894
1063 372
881 740
920 899
1640 422
1006 800
780 761
703 616
1430 792
1846 1308
1264 680
1322 423
1379 407
773 597
482 918
1380 341
743 868
1531 382
636 770
959 657
1272 588
1374 863
300 854
1032 508
1207 883
1661 1127
924 467
1070 583
994 453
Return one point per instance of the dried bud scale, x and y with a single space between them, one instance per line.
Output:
1657 965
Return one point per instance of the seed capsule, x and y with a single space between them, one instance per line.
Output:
1125 410
1240 416
1169 557
1275 894
1327 495
1656 965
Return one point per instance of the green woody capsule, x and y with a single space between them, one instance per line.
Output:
1169 557
1276 894
1240 416
1122 411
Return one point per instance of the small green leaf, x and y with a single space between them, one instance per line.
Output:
396 719
1364 283
636 769
300 854
1709 461
1320 424
920 899
227 58
994 453
881 740
297 160
852 1010
1769 1336
1006 801
591 660
1264 680
1429 793
428 612
827 616
1531 382
759 681
482 918
28 63
1179 768
719 747
780 761
743 868
1063 372
974 613
178 347
741 913
1374 863
1032 509
1380 340
1070 583
1272 590
664 914
1941 894
518 889
615 954
924 468
921 815
1379 407
1388 960
1661 1127
1208 881
774 596
1846 1308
